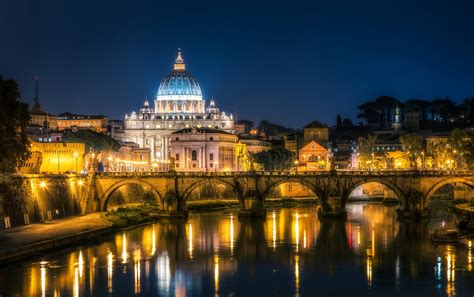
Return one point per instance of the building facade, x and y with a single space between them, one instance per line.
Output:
206 149
179 104
68 120
313 156
55 157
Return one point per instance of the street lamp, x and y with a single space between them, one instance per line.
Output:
215 165
296 165
423 163
75 156
110 164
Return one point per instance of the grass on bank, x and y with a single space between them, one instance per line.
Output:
129 216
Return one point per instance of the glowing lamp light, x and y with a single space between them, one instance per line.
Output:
80 182
42 184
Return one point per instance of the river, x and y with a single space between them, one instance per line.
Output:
290 253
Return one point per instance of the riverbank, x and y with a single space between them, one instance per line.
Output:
35 239
464 208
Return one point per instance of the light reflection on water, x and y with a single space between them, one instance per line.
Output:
291 253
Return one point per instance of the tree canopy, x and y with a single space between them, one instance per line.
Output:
93 140
412 146
274 159
14 118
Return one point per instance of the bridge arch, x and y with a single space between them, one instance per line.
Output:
301 181
452 180
209 181
399 195
104 200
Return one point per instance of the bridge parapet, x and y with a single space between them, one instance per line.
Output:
345 173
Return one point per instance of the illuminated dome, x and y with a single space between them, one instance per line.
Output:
179 84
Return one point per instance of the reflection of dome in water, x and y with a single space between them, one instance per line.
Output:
179 84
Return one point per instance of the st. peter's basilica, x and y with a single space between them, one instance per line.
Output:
179 104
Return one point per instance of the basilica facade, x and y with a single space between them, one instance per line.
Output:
179 104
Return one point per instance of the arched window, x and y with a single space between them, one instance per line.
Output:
194 155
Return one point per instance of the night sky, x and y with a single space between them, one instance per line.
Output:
289 63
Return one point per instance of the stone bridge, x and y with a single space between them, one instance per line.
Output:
413 189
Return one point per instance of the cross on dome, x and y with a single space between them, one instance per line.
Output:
179 62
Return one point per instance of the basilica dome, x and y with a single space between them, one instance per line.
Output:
179 84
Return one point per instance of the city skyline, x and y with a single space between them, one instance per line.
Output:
263 63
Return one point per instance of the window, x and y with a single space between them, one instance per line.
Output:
177 138
177 157
211 157
211 139
147 141
194 155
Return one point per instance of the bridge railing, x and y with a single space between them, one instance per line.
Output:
292 173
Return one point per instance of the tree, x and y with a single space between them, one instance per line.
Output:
93 140
347 124
367 157
379 111
459 147
412 145
269 129
338 122
274 159
14 118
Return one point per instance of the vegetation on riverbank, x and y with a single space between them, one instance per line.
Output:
130 216
289 202
211 205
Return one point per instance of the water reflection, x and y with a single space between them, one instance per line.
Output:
291 252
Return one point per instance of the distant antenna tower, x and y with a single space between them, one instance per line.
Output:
37 105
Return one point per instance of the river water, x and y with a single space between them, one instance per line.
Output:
290 253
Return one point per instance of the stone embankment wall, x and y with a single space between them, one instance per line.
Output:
26 199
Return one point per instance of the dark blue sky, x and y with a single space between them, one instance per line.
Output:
289 63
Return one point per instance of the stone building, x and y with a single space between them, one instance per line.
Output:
129 158
205 149
179 104
55 157
313 156
69 120
316 131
